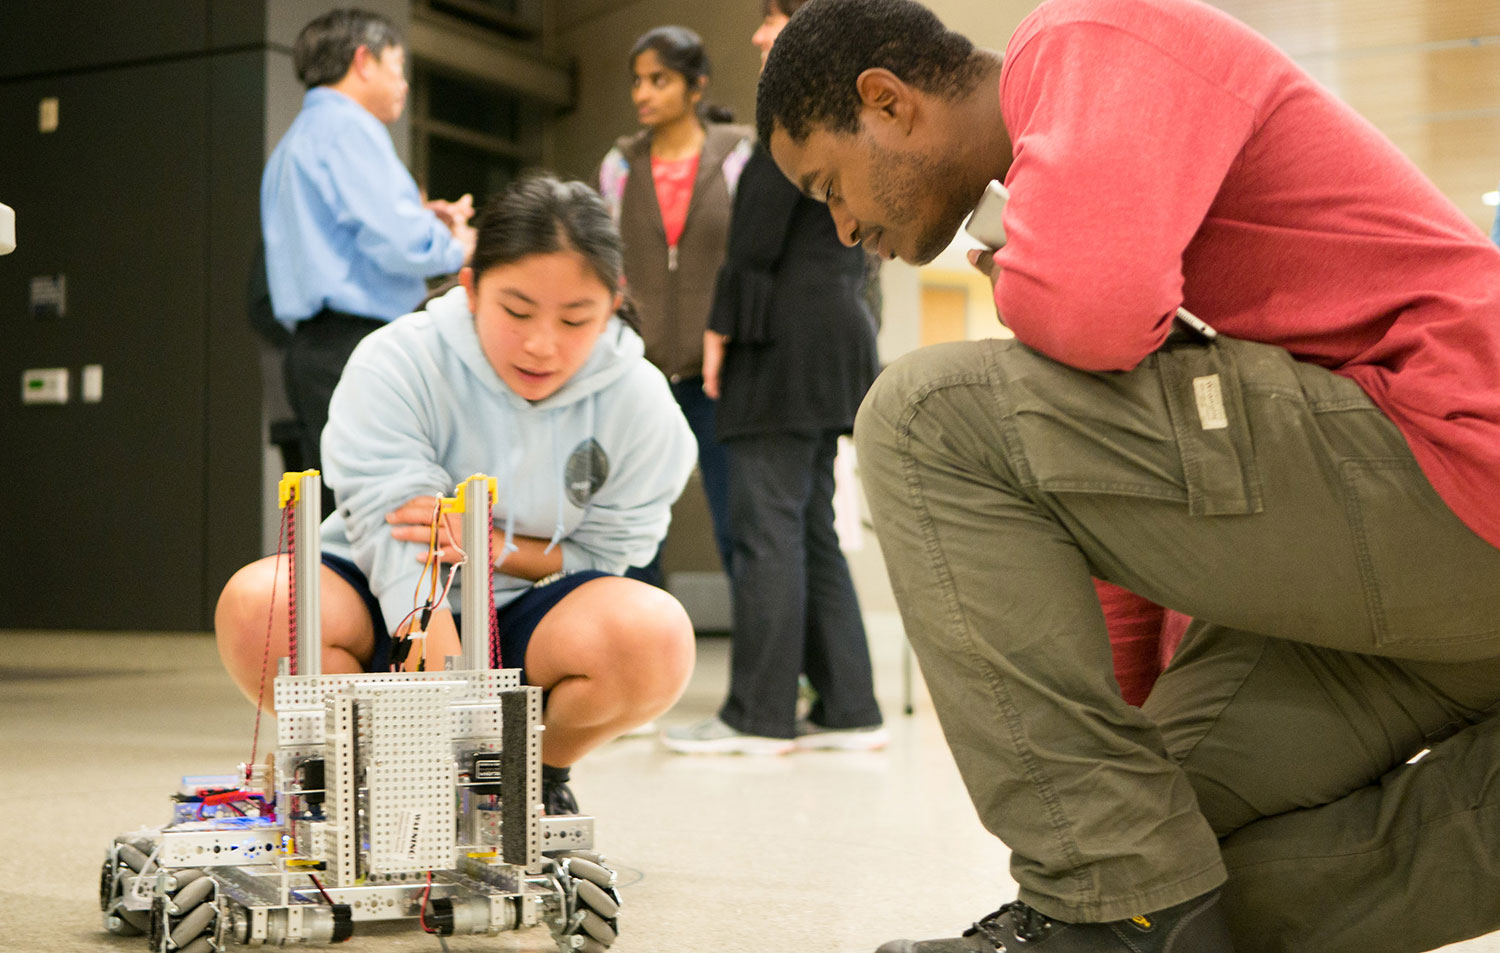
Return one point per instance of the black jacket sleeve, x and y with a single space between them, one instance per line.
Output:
763 210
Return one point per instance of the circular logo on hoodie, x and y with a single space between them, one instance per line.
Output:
587 469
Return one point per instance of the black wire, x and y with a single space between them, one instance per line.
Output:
326 899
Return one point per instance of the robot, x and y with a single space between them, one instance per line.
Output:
390 796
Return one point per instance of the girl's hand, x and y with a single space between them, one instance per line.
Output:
411 522
713 362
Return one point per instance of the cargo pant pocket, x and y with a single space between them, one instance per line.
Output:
1418 561
1206 400
1172 429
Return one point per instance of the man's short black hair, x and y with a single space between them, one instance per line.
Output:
809 77
325 48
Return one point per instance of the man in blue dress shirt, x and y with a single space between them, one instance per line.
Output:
349 238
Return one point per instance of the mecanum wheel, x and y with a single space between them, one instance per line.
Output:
188 917
591 903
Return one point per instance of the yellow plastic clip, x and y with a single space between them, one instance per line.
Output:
286 492
456 504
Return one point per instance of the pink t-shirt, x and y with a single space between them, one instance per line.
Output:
1166 154
674 192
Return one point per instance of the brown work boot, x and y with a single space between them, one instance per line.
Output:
1196 926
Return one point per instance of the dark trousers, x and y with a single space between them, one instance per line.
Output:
319 349
794 605
713 471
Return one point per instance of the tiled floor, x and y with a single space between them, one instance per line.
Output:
816 852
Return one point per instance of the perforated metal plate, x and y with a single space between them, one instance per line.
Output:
219 848
406 736
299 700
342 803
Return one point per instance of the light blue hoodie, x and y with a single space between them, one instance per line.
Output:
595 467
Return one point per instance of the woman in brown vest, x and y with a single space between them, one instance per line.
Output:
670 187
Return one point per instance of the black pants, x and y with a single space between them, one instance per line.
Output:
795 610
320 348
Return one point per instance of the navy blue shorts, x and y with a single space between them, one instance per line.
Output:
518 618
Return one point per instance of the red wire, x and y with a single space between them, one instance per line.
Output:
422 911
327 899
265 658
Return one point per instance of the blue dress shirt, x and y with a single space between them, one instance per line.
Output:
343 220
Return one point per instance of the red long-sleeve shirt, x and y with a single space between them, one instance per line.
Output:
1166 154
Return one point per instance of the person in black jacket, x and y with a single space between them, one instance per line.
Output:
789 354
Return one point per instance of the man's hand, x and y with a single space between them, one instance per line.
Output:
984 260
713 362
452 214
455 216
465 235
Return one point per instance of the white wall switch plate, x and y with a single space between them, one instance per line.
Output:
91 384
44 385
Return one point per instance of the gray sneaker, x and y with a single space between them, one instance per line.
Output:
1196 926
812 736
713 736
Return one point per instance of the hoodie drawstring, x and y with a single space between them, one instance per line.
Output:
560 467
512 464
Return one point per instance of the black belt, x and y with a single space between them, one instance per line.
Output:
330 316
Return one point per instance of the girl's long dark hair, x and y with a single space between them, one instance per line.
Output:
681 51
540 214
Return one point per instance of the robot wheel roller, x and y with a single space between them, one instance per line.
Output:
592 921
189 917
118 920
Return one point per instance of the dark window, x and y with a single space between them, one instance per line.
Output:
518 18
454 169
469 136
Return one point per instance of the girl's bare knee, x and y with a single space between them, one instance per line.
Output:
659 650
241 612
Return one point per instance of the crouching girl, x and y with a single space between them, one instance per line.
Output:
531 372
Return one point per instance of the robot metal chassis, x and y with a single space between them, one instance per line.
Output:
408 795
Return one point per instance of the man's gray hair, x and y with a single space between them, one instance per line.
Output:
325 48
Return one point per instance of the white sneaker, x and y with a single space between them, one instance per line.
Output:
814 737
713 736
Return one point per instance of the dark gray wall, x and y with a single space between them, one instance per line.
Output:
132 512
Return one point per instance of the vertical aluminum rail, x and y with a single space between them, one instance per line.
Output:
308 519
476 500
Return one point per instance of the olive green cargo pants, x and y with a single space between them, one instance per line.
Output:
1346 621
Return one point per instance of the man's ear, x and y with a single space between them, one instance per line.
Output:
888 96
362 61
